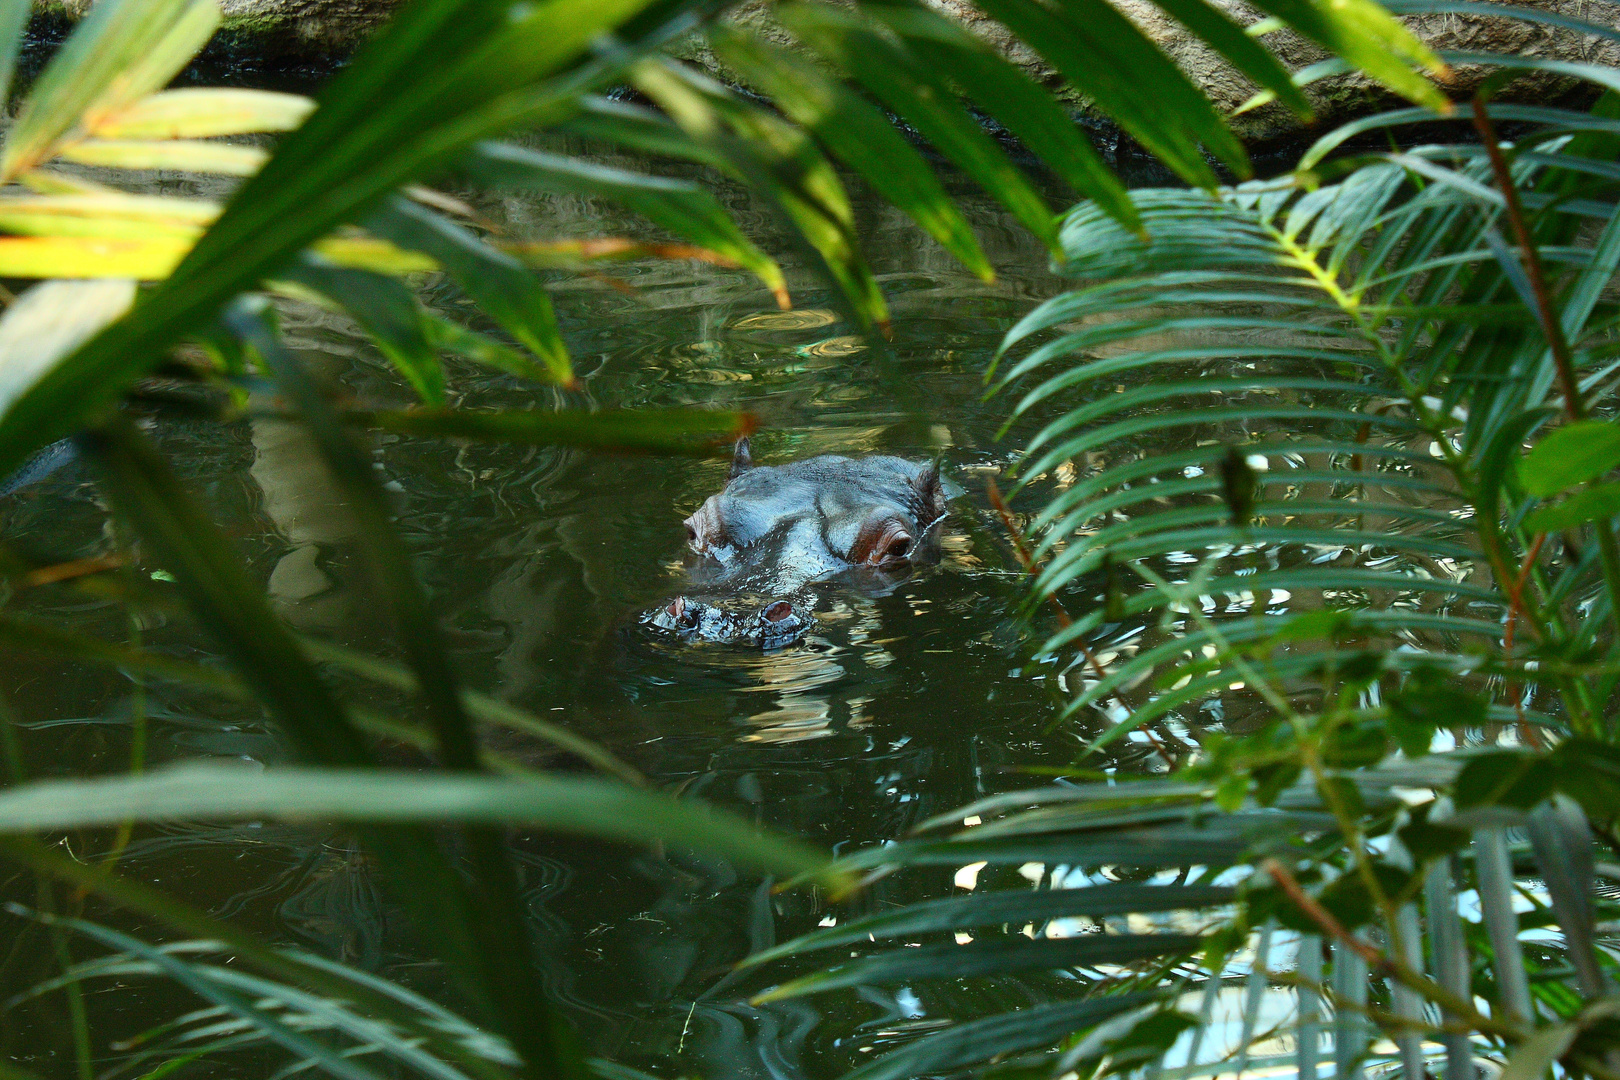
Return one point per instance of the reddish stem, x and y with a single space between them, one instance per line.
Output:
1320 915
1528 254
1026 559
50 575
1515 598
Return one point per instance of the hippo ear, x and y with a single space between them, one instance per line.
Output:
741 459
930 493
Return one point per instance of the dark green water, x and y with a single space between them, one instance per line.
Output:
895 709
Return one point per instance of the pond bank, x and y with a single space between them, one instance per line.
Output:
286 37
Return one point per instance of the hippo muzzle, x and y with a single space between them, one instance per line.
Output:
776 530
774 626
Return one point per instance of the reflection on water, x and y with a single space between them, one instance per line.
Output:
834 348
893 709
800 319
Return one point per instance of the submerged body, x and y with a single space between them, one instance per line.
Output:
776 530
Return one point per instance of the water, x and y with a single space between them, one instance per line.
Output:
895 708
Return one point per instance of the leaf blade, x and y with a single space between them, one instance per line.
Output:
983 909
501 286
204 112
858 135
914 92
584 807
968 961
1571 455
677 205
978 1040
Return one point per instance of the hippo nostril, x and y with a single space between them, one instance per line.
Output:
684 616
777 611
691 532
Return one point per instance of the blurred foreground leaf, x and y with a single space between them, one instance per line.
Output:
585 807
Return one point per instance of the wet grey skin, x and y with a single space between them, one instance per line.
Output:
777 530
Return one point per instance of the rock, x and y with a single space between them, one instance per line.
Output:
1336 99
277 29
327 28
1341 98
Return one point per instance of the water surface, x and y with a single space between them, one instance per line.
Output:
539 561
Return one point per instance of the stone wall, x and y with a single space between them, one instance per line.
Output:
1340 98
1337 98
317 28
279 29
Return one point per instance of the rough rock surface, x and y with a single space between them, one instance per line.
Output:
312 28
1336 98
1339 98
280 28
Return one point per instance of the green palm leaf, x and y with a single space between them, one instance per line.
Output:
993 958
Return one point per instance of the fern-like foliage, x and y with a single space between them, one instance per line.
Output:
1325 466
1294 400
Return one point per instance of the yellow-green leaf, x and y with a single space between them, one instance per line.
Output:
1598 503
155 63
89 257
49 321
198 113
181 154
368 253
1535 1055
1372 39
115 204
603 809
1571 455
36 223
121 52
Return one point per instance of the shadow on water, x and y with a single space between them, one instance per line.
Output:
895 708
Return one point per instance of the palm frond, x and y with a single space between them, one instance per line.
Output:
1295 414
319 1028
1321 388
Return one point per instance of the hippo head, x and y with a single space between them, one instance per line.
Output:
775 529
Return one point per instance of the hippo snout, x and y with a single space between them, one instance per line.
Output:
775 625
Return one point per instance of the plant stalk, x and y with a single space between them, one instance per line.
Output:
1551 325
1382 964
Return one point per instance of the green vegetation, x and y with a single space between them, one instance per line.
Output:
1355 500
1359 503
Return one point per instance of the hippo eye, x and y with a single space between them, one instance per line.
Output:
882 539
777 611
691 532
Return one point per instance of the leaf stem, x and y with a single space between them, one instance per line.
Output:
1530 255
1321 916
77 1016
1026 559
1515 600
1382 964
1386 1020
1551 326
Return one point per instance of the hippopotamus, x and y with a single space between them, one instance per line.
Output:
776 530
